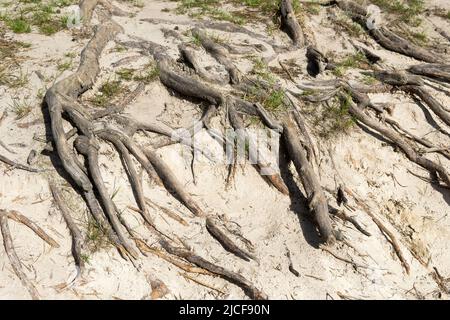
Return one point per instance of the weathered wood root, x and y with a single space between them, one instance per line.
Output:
342 215
61 99
392 239
434 70
225 241
16 165
386 38
428 99
316 197
14 259
413 85
370 56
171 182
398 140
290 24
219 52
231 276
89 150
144 247
167 211
77 238
430 147
305 139
393 42
266 170
317 62
86 9
190 57
20 218
187 86
11 252
192 87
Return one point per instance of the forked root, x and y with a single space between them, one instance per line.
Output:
11 252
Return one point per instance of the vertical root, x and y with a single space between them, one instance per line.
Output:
77 238
13 258
317 200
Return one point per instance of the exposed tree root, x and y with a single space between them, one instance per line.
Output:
169 212
393 42
342 215
226 242
398 140
188 277
385 37
290 24
219 52
386 232
16 165
239 280
11 252
77 238
317 200
190 57
265 169
437 71
92 127
61 99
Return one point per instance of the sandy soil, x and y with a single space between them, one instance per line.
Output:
413 209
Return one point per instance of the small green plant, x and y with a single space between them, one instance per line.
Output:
368 79
210 8
70 55
407 10
419 38
107 91
43 14
266 6
350 27
115 193
148 75
21 108
126 74
17 79
41 93
311 8
357 60
96 237
333 119
119 48
275 100
63 66
85 257
262 72
18 25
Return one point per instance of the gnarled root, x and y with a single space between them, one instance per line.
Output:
398 140
290 24
317 201
219 52
77 238
11 252
231 276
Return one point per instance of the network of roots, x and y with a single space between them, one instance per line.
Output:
301 109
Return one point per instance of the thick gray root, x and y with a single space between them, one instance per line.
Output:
290 24
317 200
